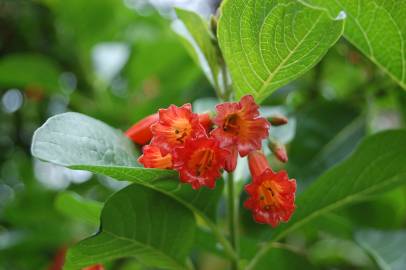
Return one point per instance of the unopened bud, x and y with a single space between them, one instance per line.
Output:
279 150
278 120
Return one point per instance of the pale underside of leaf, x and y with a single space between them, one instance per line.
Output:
385 247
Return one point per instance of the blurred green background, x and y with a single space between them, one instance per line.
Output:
120 60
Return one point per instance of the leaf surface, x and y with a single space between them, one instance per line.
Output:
81 142
377 165
378 29
386 247
200 44
268 43
142 223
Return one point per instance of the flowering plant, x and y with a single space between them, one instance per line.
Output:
184 181
200 151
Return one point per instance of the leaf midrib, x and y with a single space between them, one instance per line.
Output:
209 222
267 82
148 246
94 169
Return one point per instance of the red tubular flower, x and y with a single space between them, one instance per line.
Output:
199 161
175 125
239 123
140 132
152 158
231 161
272 195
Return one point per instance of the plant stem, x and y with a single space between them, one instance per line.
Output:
232 218
223 241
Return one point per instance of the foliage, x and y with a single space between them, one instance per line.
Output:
75 74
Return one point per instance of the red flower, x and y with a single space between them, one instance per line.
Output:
272 195
231 160
199 161
239 123
175 125
140 132
152 158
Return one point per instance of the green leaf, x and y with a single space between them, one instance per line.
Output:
268 43
376 166
386 211
319 142
386 248
71 139
142 223
338 252
378 29
29 70
81 142
201 44
73 205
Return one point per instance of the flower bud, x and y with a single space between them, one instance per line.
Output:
278 150
278 120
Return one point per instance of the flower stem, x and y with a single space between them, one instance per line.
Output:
232 219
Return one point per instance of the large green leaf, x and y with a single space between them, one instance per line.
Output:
200 44
377 165
387 248
81 142
319 142
378 29
142 223
267 43
71 139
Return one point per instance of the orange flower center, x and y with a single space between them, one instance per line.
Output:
232 124
201 161
181 130
269 195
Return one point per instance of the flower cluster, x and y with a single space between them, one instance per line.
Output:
200 147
